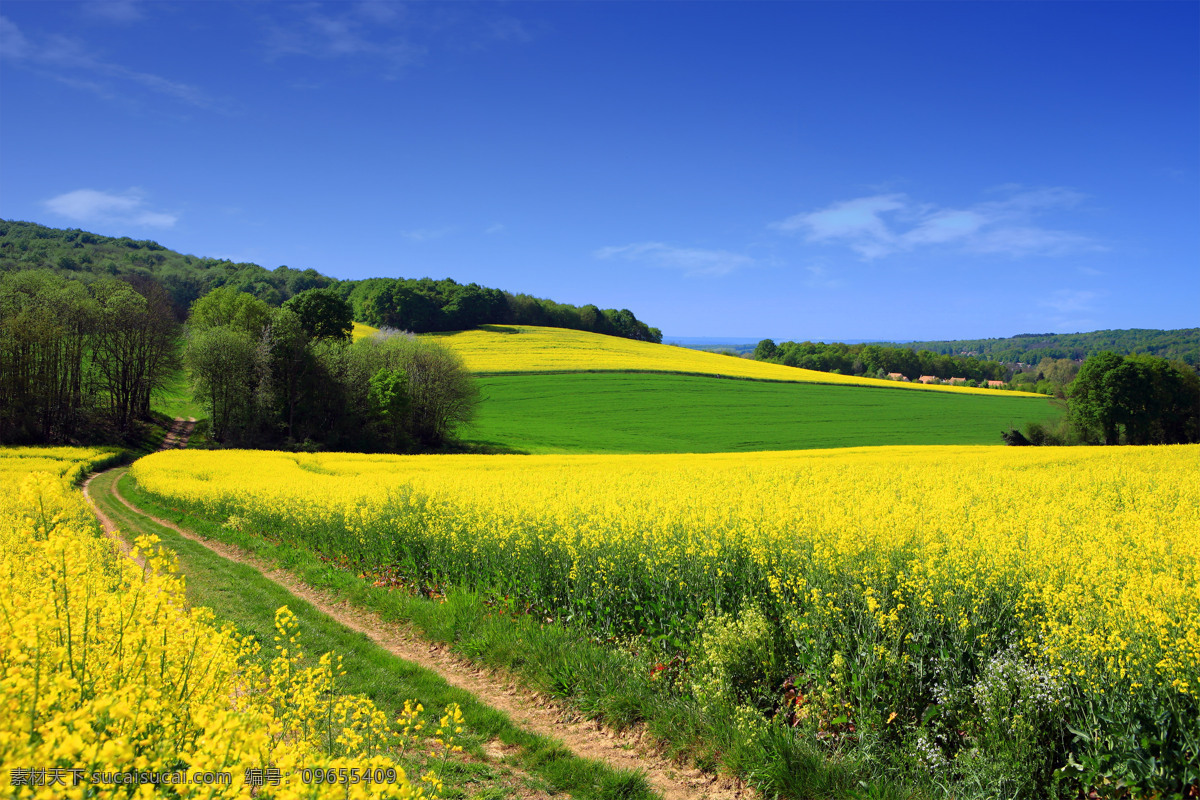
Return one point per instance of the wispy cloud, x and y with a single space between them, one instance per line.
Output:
427 234
691 260
13 43
1070 301
92 207
119 11
374 30
879 225
1069 309
391 37
495 228
818 276
69 62
857 222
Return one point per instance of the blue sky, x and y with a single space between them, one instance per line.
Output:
823 170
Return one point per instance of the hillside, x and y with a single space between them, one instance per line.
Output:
530 349
662 413
420 305
84 255
1182 344
547 390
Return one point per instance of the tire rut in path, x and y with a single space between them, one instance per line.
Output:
532 711
179 434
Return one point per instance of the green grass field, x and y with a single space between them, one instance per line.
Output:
176 400
643 413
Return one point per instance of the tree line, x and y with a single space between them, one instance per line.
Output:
1115 399
407 304
80 360
291 377
878 361
1030 348
426 305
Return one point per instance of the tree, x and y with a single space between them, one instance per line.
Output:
441 394
765 350
228 307
224 364
289 363
134 346
388 395
1095 404
46 325
323 314
1146 398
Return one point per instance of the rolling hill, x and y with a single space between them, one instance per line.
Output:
520 349
550 390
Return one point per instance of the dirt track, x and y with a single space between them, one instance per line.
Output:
622 750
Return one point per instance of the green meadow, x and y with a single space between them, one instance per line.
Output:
653 413
175 399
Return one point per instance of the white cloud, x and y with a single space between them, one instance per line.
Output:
879 225
1029 241
427 234
373 30
91 207
857 222
495 228
692 261
1069 309
509 29
945 226
120 11
1070 301
69 62
389 36
820 278
13 43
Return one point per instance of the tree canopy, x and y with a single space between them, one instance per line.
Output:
323 313
1136 399
418 305
79 362
1030 348
288 387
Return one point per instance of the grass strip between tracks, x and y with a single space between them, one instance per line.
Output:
242 595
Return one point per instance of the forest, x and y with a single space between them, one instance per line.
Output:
1182 344
417 305
79 362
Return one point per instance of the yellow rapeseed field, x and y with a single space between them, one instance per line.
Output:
62 462
107 675
527 348
1086 558
362 331
960 602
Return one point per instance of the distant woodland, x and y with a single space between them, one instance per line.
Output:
1030 348
416 305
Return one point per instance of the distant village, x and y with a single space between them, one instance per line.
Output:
900 376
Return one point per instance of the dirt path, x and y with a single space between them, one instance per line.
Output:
179 434
177 437
531 711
